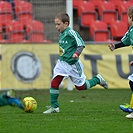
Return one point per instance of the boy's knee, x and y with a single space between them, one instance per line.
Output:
56 81
81 87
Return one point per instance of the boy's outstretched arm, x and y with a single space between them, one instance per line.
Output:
113 46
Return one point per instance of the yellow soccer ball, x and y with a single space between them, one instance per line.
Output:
30 104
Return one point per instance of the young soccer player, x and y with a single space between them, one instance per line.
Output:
69 64
9 98
127 40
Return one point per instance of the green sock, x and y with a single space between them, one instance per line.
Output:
54 94
92 82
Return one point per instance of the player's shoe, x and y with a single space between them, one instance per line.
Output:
11 93
130 116
126 108
52 110
15 102
103 82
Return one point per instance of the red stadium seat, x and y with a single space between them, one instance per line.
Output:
123 6
101 35
35 32
118 29
108 12
117 3
87 14
5 12
15 32
76 3
99 31
122 10
97 4
23 10
124 17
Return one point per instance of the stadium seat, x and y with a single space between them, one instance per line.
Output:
100 35
122 10
76 3
99 31
87 13
123 6
5 12
35 32
15 32
124 17
118 29
23 10
117 3
97 4
108 12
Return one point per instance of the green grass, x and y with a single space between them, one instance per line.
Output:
92 111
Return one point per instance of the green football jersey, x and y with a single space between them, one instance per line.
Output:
128 37
68 42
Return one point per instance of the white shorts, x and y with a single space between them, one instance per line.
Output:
131 77
75 72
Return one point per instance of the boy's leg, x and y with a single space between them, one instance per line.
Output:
3 99
128 107
98 79
5 95
54 94
9 98
131 86
15 102
131 101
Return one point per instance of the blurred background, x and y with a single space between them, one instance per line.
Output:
95 20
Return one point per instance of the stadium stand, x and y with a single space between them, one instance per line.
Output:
15 32
35 32
99 31
1 31
76 3
122 10
5 12
108 12
45 11
118 29
23 10
87 13
123 6
97 4
116 3
13 29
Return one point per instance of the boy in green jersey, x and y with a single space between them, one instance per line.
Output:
69 64
9 98
127 40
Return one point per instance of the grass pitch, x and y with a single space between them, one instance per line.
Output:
91 111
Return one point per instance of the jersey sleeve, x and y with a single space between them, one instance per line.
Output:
128 37
78 40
